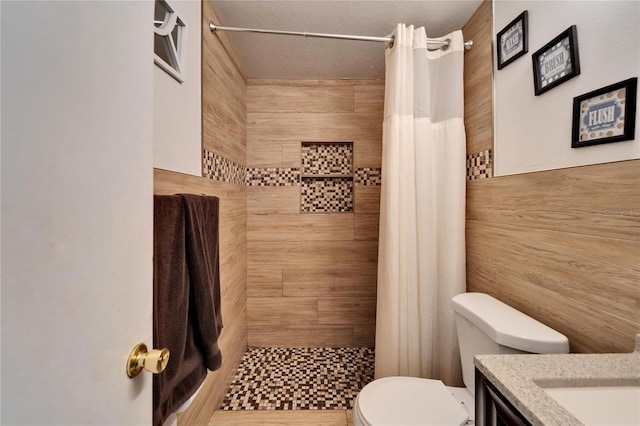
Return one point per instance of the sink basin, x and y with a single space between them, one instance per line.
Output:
600 405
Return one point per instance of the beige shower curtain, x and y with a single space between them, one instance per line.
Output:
421 256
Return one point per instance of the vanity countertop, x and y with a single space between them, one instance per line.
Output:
521 378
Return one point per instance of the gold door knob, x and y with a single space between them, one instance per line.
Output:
154 361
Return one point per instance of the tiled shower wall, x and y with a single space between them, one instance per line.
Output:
311 276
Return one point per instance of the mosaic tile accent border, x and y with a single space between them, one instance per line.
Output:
219 168
368 176
480 165
299 379
327 195
216 167
327 158
273 176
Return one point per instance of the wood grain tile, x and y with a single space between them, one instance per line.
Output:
273 199
292 336
221 129
350 280
367 199
599 200
366 226
273 153
367 153
298 99
481 276
282 311
478 78
589 329
335 127
603 273
305 83
300 227
325 254
291 153
364 335
318 255
369 98
349 417
223 102
264 283
347 310
279 418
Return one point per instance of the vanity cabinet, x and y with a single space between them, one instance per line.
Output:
492 408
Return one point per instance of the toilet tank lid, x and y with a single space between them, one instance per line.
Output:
508 326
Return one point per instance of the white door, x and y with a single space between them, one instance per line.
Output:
76 213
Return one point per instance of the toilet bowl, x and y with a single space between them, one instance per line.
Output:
411 401
485 326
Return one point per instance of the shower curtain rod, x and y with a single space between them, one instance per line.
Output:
442 43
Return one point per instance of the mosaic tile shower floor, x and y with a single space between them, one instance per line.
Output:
299 379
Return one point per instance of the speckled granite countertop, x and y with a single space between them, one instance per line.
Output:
520 379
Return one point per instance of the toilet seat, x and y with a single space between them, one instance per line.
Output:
408 401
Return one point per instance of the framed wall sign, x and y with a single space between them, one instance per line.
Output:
556 62
605 115
512 41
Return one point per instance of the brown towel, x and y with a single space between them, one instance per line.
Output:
203 259
175 314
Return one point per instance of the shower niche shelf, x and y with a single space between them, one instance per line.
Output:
326 177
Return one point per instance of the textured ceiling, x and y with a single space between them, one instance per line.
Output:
287 57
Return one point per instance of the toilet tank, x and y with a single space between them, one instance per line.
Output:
487 326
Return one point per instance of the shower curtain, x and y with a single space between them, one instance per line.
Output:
421 255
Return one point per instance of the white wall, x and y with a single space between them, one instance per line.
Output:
77 210
177 141
0 216
533 133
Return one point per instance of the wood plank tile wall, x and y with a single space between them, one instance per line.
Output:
311 278
562 246
224 127
478 78
224 107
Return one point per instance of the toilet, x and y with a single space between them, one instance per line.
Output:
485 326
